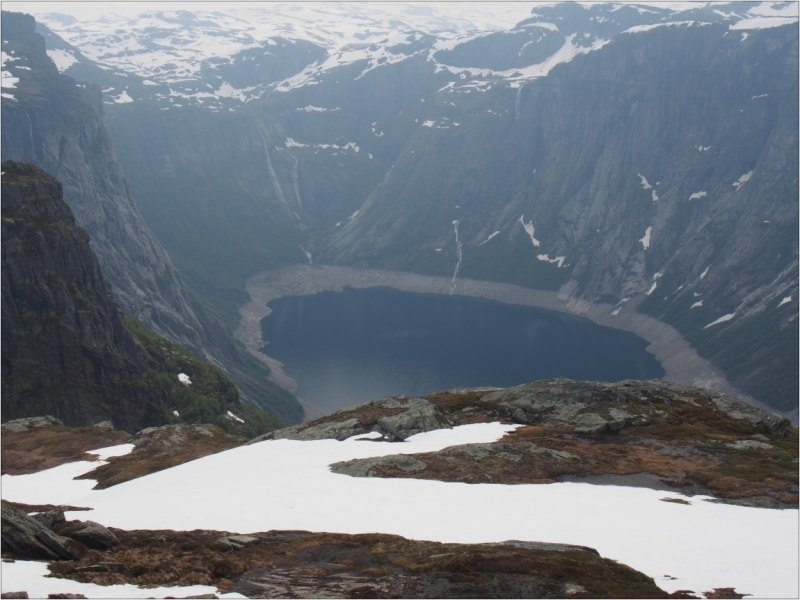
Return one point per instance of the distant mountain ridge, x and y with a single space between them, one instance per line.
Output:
627 154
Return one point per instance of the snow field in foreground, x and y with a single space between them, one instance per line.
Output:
32 577
288 485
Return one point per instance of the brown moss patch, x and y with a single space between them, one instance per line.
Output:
302 564
700 464
165 447
35 450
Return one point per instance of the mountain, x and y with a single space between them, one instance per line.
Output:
58 124
633 155
67 349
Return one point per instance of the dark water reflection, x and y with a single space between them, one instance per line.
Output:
349 347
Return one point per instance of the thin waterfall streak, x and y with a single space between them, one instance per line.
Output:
294 180
275 183
460 256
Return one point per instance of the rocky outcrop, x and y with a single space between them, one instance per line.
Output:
25 537
301 564
58 125
394 417
566 403
641 433
89 533
65 349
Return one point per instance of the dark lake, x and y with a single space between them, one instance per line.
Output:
349 347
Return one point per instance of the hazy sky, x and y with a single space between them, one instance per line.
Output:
515 11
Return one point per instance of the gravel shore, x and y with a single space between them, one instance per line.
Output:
680 361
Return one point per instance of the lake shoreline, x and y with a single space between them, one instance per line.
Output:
680 361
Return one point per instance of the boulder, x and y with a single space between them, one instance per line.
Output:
25 537
51 518
739 409
91 534
421 416
363 467
29 423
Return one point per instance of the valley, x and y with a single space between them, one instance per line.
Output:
400 300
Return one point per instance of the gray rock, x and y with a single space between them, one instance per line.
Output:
749 445
243 540
31 423
363 467
543 546
91 534
590 423
105 425
739 409
51 518
14 595
421 416
25 537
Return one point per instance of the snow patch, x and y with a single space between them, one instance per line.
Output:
558 259
311 108
184 379
722 319
697 196
226 90
290 143
655 196
148 82
702 148
646 239
123 98
696 304
704 273
487 239
192 496
785 301
176 413
63 59
615 312
645 184
529 229
757 97
233 417
652 288
35 578
763 22
742 180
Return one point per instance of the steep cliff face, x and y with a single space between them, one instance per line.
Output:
654 173
58 124
66 351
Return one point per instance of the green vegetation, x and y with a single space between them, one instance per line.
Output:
211 397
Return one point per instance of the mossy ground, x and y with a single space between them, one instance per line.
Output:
303 564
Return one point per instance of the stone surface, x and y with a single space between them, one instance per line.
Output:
51 518
26 424
419 417
92 534
25 537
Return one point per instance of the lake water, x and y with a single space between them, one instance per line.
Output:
348 347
